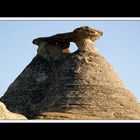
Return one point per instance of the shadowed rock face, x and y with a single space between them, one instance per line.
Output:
58 84
29 89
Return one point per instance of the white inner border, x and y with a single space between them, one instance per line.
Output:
69 19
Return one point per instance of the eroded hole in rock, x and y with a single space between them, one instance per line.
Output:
73 47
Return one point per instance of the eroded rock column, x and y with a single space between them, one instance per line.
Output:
29 89
87 85
58 84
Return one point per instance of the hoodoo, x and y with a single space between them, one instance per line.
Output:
58 84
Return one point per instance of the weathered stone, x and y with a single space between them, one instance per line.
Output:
7 115
30 88
58 84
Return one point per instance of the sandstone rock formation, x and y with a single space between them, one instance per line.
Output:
7 115
58 84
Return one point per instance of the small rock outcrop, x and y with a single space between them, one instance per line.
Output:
58 84
7 115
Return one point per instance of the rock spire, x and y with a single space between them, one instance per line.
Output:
58 84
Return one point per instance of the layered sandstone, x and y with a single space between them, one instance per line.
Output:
58 84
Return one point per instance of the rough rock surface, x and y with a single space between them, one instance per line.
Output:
7 115
58 84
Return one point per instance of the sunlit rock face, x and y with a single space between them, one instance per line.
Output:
7 115
58 84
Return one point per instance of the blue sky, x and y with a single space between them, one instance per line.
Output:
120 45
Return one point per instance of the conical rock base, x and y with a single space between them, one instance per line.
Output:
58 84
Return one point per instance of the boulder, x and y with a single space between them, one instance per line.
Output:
7 115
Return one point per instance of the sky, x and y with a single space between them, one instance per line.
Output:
119 45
